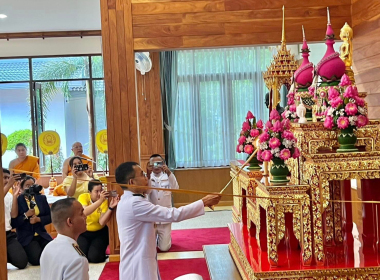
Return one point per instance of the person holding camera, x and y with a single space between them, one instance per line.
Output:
161 177
15 252
77 184
77 149
33 216
98 210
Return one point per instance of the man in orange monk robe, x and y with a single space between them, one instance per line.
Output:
25 163
77 149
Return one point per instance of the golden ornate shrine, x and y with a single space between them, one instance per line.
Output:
305 229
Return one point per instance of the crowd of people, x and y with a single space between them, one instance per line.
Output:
144 216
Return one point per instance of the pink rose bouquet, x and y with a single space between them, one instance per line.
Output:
250 131
277 141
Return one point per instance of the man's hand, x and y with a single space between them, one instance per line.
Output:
90 172
166 169
211 199
31 212
34 219
114 201
16 190
104 195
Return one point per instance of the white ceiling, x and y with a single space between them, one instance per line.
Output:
49 15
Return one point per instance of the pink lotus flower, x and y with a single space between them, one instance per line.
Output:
285 154
343 122
333 93
290 101
238 148
292 108
285 124
259 124
241 140
274 143
336 102
329 122
362 121
259 152
249 115
290 95
246 126
351 109
350 92
266 155
254 133
288 135
264 137
277 126
345 81
268 125
274 115
359 101
296 153
283 115
248 149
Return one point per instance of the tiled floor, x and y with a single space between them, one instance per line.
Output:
218 218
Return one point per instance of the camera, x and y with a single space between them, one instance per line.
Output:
81 167
31 192
113 194
22 176
158 164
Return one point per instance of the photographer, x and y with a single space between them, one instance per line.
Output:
33 215
161 177
77 184
94 241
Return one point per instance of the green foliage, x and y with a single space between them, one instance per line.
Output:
21 136
102 162
57 162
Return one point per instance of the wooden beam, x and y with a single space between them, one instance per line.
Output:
51 34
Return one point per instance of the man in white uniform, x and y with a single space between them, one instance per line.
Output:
62 259
161 177
136 217
15 252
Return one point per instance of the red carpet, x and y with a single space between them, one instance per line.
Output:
193 239
169 269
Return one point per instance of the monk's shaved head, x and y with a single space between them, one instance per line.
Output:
77 149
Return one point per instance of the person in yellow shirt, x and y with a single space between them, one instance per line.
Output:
95 240
77 183
77 149
24 162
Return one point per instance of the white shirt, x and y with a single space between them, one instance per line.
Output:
135 217
61 261
8 201
163 198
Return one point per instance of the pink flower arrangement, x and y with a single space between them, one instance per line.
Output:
249 133
345 108
277 141
274 115
268 125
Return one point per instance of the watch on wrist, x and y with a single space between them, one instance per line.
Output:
111 208
25 217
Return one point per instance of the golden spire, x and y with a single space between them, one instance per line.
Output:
283 40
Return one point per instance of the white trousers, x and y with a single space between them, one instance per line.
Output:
164 236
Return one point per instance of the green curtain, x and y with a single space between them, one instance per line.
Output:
169 94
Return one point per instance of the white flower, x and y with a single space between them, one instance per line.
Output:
277 155
274 134
249 140
264 146
294 115
352 121
241 148
330 111
352 100
341 112
337 113
287 113
361 110
275 151
287 143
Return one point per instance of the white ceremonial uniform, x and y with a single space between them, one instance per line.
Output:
163 198
135 217
60 260
8 201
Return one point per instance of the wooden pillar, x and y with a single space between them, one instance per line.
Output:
119 77
3 243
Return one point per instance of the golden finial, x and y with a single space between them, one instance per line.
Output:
283 40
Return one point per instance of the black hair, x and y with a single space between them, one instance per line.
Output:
93 183
6 171
71 162
27 177
20 145
124 172
156 155
61 210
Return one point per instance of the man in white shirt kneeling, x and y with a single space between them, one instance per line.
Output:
161 177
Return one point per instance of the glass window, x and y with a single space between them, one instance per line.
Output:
100 119
60 68
14 70
15 118
97 67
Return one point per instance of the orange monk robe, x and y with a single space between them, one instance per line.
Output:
83 161
30 166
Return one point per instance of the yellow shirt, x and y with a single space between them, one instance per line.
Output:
93 218
36 210
82 186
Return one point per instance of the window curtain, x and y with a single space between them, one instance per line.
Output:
214 90
169 94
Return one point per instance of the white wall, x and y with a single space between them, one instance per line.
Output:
50 46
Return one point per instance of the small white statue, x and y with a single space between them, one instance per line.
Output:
301 112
